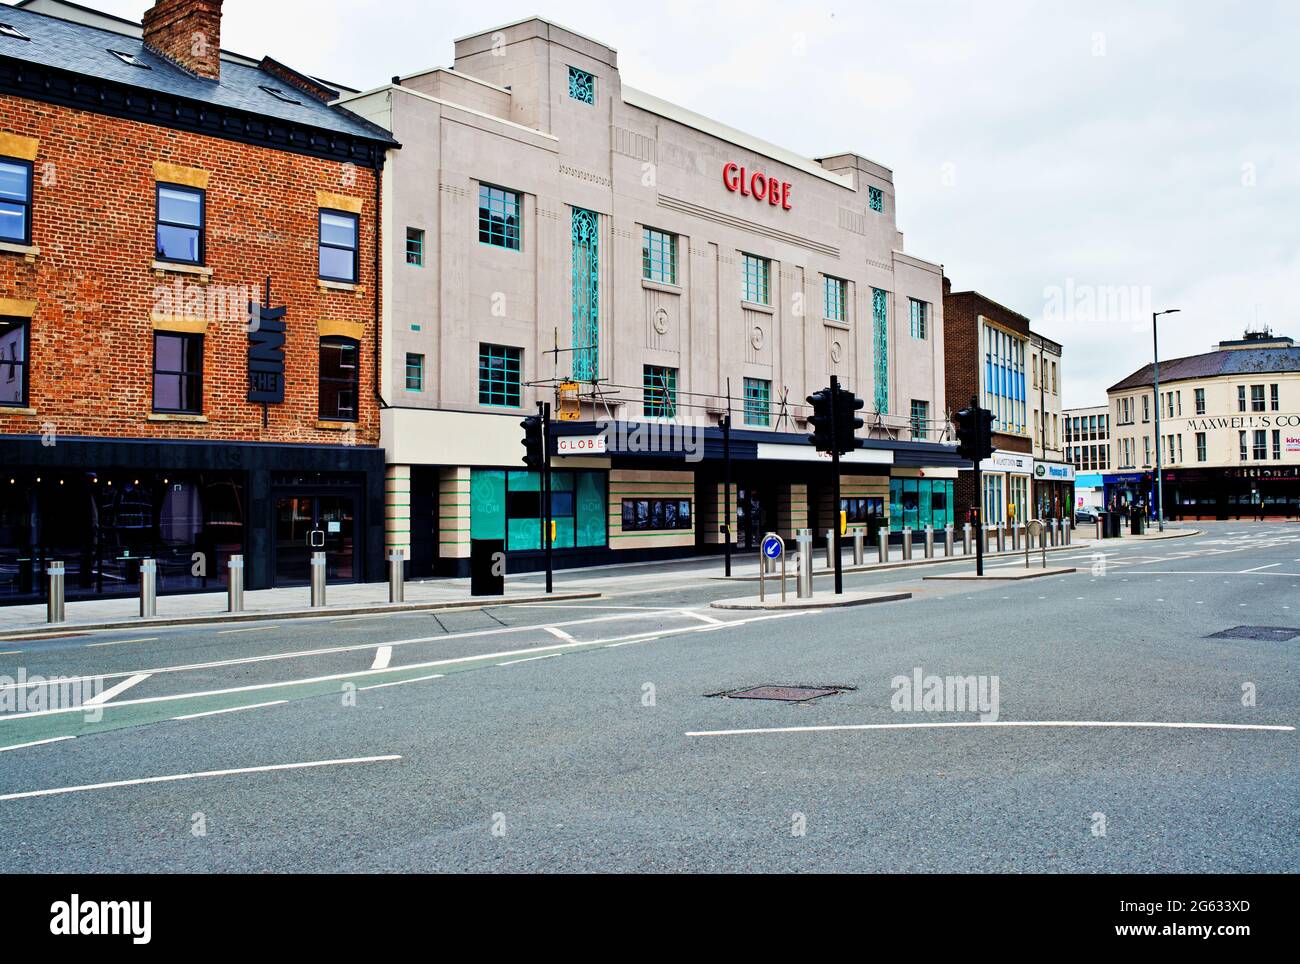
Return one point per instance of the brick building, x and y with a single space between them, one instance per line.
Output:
987 357
152 186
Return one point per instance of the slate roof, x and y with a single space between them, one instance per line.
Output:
1236 361
82 49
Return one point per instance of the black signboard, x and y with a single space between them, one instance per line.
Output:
266 354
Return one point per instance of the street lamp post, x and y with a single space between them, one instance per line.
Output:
1160 477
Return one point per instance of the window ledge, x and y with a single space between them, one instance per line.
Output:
661 286
28 251
161 268
340 286
755 306
177 417
15 410
832 323
336 426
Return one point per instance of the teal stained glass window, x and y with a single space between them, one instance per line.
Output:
876 199
756 286
880 341
414 247
836 299
499 369
658 256
758 401
660 391
918 316
586 295
498 217
414 372
582 86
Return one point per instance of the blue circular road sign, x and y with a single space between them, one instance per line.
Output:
772 547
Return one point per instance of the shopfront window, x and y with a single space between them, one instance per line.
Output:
917 503
508 505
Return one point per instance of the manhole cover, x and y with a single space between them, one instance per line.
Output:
790 694
1279 634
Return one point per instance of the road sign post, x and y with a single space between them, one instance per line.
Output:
773 548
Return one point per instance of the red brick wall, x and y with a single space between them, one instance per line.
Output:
94 219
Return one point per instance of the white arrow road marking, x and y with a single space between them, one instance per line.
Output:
196 776
383 656
993 723
101 698
559 633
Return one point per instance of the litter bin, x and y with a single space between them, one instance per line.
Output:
487 567
1135 523
1113 522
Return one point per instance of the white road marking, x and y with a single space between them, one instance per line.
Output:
5 718
559 633
383 656
703 617
195 776
23 746
250 629
530 659
230 709
1271 565
123 642
991 723
99 699
355 647
401 682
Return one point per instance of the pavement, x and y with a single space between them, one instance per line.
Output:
1096 723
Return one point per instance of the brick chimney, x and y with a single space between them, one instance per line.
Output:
188 33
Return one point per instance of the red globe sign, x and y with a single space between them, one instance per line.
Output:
759 186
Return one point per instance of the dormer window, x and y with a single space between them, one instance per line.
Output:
280 95
14 32
131 60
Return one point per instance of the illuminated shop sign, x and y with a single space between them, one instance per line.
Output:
759 186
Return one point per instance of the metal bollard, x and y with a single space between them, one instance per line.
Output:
1002 539
947 540
1042 537
54 606
907 543
317 580
929 542
397 576
1055 534
1015 537
859 547
148 588
965 539
882 543
235 588
803 564
830 548
1069 532
987 535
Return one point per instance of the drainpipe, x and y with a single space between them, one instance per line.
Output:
379 173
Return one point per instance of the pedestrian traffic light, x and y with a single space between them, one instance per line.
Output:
847 423
534 444
823 404
974 434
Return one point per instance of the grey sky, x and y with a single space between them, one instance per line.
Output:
1035 146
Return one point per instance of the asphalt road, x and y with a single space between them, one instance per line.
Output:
584 736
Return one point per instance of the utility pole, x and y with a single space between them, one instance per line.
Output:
1160 475
544 409
835 485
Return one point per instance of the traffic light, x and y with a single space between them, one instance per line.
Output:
847 422
822 404
974 434
533 441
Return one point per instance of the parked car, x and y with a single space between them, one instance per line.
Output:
1085 517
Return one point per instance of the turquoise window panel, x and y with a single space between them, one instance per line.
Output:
758 395
586 294
876 199
526 481
525 534
756 282
592 506
582 86
487 514
880 342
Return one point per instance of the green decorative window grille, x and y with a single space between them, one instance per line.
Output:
498 217
920 419
917 316
414 372
414 247
758 397
659 385
499 368
586 295
876 199
658 256
880 339
582 86
836 299
756 281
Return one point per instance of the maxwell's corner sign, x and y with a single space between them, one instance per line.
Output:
758 185
266 332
